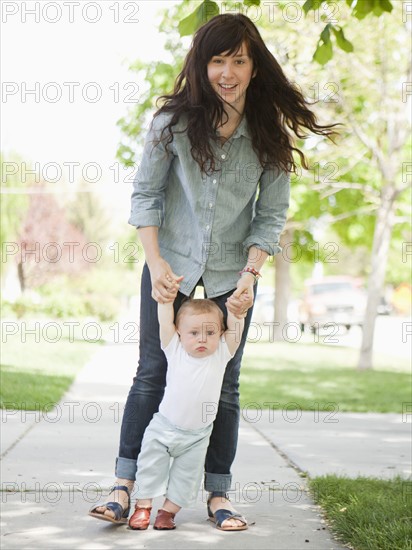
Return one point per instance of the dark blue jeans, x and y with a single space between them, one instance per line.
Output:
148 388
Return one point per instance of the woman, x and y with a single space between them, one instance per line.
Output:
210 202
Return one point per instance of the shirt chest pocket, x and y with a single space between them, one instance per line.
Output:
241 179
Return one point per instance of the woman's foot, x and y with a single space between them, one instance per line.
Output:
223 503
118 496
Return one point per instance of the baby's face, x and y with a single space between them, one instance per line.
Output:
199 333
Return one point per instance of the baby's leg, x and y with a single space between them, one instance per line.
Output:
186 472
171 507
144 502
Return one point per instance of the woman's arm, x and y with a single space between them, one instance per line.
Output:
242 299
165 284
147 209
263 240
270 212
151 178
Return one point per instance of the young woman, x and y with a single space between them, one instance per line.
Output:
209 202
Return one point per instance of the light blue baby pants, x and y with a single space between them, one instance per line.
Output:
180 480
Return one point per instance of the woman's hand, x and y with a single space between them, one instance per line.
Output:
165 284
242 298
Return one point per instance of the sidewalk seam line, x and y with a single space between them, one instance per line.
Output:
18 440
280 452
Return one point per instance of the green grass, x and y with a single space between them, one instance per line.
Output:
367 513
34 374
319 377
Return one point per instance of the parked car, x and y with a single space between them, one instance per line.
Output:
264 306
340 300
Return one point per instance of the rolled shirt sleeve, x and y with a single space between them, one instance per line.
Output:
270 211
147 201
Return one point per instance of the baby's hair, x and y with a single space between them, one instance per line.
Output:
197 306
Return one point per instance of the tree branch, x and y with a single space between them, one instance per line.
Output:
333 187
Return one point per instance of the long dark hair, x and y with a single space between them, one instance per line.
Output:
274 106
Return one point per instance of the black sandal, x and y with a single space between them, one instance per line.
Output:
222 515
120 514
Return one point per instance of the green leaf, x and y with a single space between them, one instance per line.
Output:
362 8
248 3
349 3
312 5
307 6
324 50
381 6
325 34
386 5
199 17
377 10
323 53
343 43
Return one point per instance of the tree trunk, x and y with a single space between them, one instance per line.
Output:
380 249
22 278
282 286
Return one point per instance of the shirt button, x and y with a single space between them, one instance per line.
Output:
210 204
208 226
214 181
223 156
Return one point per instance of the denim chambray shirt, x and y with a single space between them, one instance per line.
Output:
207 223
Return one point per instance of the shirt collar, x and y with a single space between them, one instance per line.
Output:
242 129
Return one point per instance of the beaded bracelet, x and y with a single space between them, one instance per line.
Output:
252 271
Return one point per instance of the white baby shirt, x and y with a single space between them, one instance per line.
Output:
193 385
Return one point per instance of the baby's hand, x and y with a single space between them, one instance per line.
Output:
165 284
239 303
174 284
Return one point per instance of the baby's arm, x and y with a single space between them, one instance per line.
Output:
165 314
234 331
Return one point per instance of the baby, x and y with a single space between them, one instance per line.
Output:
197 351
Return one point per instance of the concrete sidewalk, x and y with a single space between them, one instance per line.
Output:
56 465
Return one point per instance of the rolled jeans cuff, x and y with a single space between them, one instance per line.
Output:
217 482
126 468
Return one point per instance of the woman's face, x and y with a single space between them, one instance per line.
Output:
230 76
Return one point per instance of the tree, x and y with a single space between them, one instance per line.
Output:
323 10
14 203
48 244
376 116
360 186
88 215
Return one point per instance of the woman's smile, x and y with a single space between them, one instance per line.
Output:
229 87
